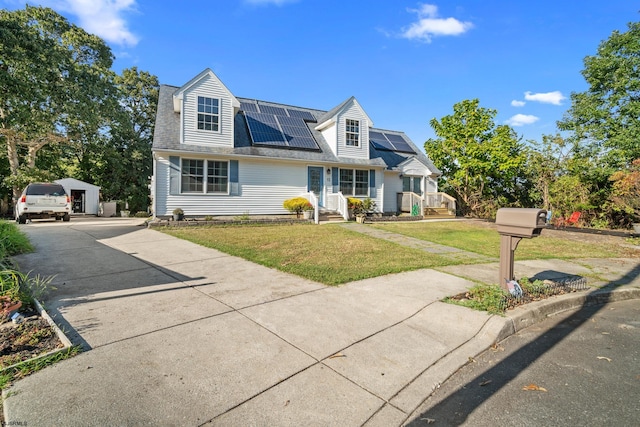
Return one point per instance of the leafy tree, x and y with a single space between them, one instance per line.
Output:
55 86
546 162
605 119
481 162
625 195
121 162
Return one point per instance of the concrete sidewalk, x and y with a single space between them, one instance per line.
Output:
179 334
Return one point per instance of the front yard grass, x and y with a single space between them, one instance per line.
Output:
333 255
327 254
479 238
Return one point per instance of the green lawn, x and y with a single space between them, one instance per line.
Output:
328 254
333 255
479 238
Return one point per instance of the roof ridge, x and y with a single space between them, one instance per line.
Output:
242 98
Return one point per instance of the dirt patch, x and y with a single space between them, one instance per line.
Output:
30 338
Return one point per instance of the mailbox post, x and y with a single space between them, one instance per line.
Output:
513 225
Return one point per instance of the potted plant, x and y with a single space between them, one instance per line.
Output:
354 206
307 211
297 205
178 214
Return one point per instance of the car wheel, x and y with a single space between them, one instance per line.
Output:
66 217
22 219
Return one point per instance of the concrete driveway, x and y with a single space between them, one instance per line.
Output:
178 334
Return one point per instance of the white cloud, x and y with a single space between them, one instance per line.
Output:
429 25
555 97
103 18
269 2
521 120
516 103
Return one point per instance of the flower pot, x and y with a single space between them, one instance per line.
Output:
178 217
307 214
636 228
360 219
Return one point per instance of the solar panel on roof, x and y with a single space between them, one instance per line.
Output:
304 115
248 106
291 121
262 118
268 109
303 142
279 131
380 141
399 143
264 129
297 133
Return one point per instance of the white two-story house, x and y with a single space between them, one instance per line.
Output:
218 154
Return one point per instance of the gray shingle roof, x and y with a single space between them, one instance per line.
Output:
166 137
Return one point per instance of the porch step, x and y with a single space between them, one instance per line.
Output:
327 215
438 212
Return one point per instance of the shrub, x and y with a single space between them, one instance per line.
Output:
12 240
297 205
141 214
178 211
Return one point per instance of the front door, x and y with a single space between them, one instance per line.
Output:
316 182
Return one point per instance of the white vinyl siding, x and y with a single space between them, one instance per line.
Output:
361 151
264 186
392 186
211 88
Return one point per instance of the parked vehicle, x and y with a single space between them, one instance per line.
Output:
41 200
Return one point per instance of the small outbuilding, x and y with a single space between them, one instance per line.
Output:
85 197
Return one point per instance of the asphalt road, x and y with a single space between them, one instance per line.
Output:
580 368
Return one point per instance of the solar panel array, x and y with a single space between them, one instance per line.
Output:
390 142
279 127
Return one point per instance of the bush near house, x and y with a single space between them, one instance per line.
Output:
297 205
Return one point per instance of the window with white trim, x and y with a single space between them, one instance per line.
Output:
196 172
354 182
208 113
217 176
352 132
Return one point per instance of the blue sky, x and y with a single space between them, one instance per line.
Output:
406 62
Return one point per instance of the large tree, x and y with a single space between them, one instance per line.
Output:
56 86
480 161
121 163
605 119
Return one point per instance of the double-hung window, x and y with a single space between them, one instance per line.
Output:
217 176
352 132
354 182
195 173
192 175
208 113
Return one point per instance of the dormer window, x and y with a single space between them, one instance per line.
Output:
352 132
208 114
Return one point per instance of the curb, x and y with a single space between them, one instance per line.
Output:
498 328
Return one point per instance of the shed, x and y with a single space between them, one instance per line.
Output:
85 197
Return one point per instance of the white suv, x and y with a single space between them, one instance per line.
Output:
43 200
